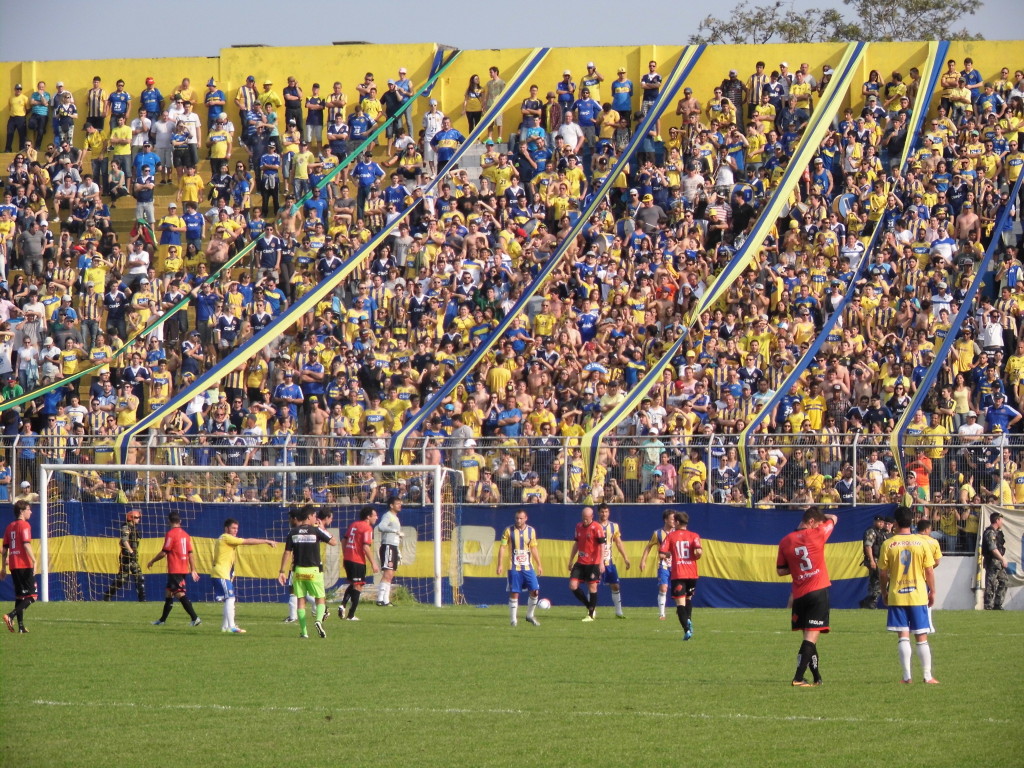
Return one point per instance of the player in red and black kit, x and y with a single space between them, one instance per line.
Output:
802 556
683 549
180 564
20 560
586 561
358 551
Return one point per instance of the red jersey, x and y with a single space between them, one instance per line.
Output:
803 552
681 545
178 546
17 540
589 543
360 533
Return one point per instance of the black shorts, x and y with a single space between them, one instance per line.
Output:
24 583
176 583
683 587
181 157
388 557
355 572
811 611
587 573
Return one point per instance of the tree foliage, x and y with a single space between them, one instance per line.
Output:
872 20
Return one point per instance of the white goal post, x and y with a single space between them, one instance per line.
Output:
82 505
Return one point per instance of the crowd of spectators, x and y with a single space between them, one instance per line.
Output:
351 372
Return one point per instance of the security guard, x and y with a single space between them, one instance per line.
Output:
128 560
993 549
873 538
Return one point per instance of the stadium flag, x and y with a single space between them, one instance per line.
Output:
225 269
936 55
684 65
1013 531
309 301
897 436
820 122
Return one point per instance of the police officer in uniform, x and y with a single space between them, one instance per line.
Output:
873 538
993 549
128 560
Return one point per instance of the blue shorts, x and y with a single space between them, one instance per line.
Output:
663 579
224 588
523 581
913 618
611 574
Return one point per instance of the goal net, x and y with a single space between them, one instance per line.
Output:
87 509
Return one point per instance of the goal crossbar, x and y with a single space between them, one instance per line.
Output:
437 472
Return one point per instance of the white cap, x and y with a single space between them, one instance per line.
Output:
784 64
26 484
567 72
471 443
590 65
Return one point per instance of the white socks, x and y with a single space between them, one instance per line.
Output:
903 650
661 604
513 609
293 608
924 654
617 602
384 592
229 614
531 606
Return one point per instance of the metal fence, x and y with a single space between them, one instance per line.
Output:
945 477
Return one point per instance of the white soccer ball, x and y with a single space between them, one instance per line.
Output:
543 603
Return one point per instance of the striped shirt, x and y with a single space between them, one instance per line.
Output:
96 102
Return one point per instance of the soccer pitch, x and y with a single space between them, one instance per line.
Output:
94 684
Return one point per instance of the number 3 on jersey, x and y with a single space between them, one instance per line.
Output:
805 560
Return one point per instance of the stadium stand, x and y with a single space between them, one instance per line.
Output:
776 286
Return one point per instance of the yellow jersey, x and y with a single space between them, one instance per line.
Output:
224 557
906 557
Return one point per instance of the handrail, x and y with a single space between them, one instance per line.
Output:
684 65
234 260
738 264
308 302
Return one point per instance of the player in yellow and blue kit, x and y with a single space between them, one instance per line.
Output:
223 572
611 573
523 568
664 564
908 588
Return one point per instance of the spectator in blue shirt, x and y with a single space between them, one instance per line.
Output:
510 418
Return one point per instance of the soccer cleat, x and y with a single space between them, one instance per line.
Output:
158 622
817 684
236 631
288 620
533 621
514 623
908 681
23 631
689 630
588 617
320 628
8 622
931 681
195 622
341 611
661 618
800 684
620 615
303 636
352 618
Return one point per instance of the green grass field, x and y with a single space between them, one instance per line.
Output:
94 684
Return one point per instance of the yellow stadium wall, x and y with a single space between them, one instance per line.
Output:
348 63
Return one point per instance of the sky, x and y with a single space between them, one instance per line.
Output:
469 24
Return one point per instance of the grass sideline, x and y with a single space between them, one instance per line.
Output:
94 684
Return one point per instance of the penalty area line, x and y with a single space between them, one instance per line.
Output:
433 711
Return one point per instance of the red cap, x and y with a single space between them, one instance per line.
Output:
150 81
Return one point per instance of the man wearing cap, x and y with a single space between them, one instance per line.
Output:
734 89
214 99
622 95
150 99
873 538
432 121
17 122
270 99
144 154
993 550
245 98
404 90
